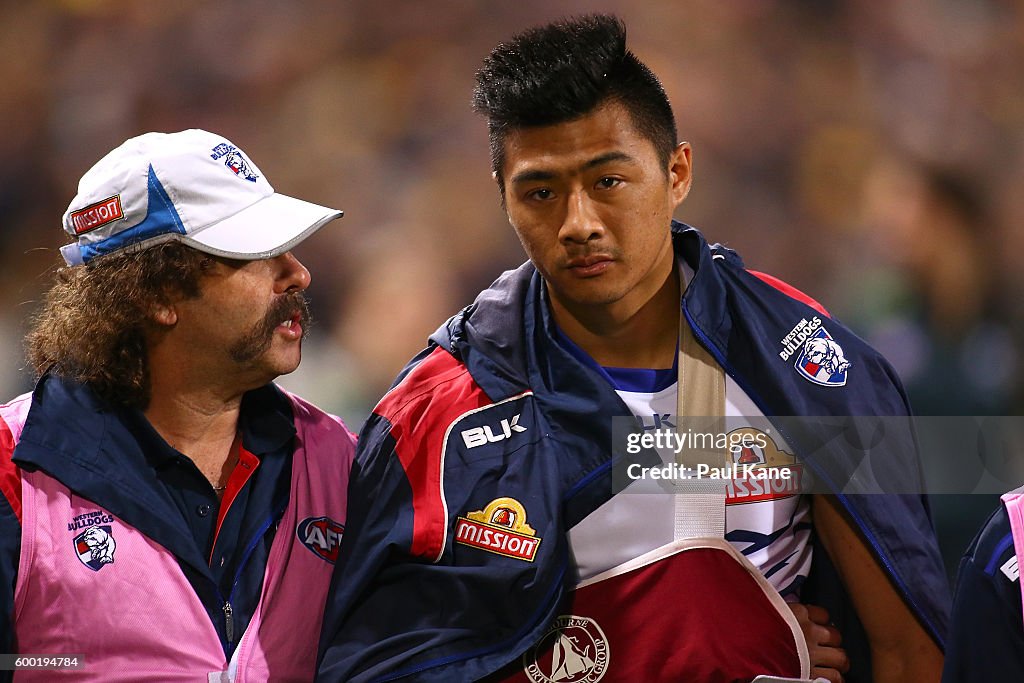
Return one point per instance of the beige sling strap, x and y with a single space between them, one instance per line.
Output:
700 393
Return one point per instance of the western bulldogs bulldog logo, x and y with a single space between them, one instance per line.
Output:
95 547
322 535
237 163
234 160
822 361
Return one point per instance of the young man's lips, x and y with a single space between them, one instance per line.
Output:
589 266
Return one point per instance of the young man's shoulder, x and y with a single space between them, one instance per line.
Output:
790 291
439 384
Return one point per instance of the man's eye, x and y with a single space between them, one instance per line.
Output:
608 182
542 194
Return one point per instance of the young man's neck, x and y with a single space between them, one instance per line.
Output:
627 336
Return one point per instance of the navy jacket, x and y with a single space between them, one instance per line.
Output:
495 408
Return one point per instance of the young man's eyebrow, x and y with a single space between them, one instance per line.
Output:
535 175
606 158
530 176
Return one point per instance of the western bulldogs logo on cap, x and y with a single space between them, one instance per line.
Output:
95 547
822 361
234 160
322 535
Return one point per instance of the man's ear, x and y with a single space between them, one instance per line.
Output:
165 315
680 172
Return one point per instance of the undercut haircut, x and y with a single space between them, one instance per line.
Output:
563 71
95 320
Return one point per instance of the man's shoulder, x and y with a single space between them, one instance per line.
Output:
14 412
438 385
298 409
12 417
789 291
992 549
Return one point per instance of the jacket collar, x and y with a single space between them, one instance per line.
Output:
87 446
488 335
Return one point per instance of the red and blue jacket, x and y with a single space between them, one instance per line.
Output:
495 410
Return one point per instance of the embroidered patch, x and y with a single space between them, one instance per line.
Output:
95 547
97 215
322 535
499 528
574 650
822 361
794 341
235 160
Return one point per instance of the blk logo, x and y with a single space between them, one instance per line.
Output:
478 436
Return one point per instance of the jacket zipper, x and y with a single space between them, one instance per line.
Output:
229 623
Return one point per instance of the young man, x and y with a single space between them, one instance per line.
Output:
486 535
986 633
168 513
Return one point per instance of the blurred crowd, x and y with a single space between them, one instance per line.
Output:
870 153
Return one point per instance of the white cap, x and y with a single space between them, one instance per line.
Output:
194 187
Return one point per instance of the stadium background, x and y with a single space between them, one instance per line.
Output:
870 153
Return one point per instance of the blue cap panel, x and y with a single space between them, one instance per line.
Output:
161 219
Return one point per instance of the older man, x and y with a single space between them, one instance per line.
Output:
168 513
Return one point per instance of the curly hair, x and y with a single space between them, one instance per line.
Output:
93 322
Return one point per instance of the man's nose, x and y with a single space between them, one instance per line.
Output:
582 221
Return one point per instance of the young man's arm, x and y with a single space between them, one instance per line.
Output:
901 649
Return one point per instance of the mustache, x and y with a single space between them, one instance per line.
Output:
258 340
283 309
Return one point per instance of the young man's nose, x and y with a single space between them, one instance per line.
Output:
582 222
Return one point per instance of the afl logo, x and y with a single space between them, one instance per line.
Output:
322 535
574 650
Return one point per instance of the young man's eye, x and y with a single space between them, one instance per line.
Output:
608 182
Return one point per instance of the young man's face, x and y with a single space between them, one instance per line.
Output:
592 205
249 316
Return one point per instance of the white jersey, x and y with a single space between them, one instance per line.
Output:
766 520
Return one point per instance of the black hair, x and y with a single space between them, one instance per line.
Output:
565 70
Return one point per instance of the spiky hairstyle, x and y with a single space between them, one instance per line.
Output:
565 70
